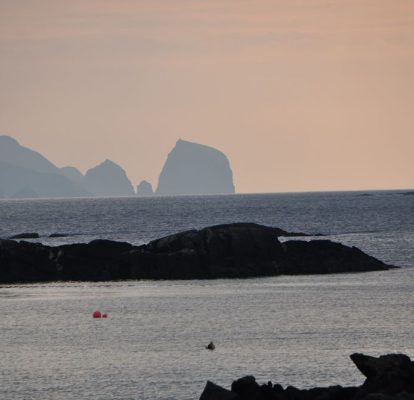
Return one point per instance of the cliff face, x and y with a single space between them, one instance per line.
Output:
193 168
108 179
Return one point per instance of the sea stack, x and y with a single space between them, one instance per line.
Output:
193 168
145 189
108 179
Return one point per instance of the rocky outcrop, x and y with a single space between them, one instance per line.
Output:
145 189
193 168
239 250
108 179
388 377
389 374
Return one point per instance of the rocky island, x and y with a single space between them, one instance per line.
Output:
239 250
193 168
388 377
108 179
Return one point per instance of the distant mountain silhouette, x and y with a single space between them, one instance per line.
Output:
72 173
108 179
19 182
190 168
193 168
25 173
145 189
13 153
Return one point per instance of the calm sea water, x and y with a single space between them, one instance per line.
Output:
292 330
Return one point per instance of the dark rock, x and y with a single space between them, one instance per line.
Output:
216 392
246 388
99 260
223 251
193 168
239 250
58 235
388 374
389 377
145 189
26 235
326 257
26 262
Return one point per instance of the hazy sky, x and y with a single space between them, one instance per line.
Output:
300 95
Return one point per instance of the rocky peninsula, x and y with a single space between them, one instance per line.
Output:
388 377
239 250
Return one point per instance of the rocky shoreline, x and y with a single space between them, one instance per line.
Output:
388 377
239 250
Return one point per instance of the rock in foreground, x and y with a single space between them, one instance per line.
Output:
238 250
388 377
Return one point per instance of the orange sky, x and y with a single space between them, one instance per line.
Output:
301 95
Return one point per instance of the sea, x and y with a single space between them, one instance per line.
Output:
292 330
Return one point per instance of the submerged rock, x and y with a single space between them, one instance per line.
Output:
192 168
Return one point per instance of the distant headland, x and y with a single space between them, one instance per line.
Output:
190 168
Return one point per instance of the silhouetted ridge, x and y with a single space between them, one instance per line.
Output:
108 179
193 168
72 173
19 182
13 153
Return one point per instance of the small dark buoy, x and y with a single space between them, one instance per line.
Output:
210 346
105 315
97 314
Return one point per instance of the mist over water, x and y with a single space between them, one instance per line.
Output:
295 330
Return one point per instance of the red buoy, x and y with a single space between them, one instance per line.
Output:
104 315
97 314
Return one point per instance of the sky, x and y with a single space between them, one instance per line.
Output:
301 95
